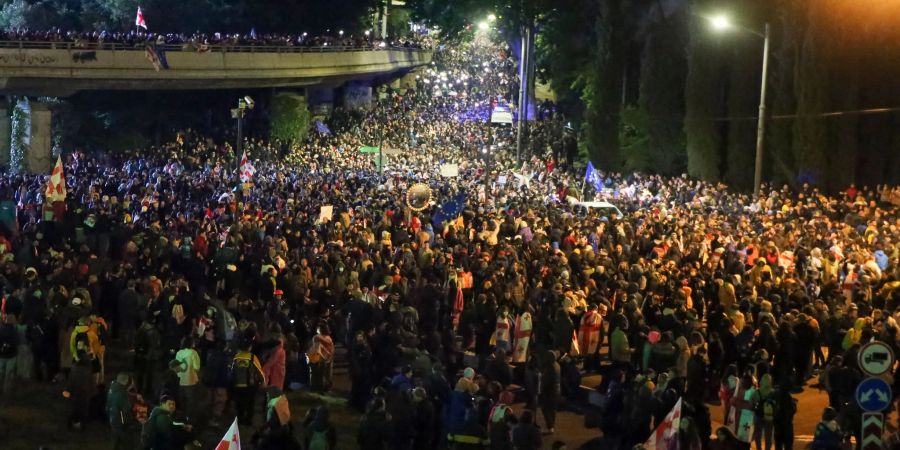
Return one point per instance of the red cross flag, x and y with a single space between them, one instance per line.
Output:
247 169
139 19
665 437
56 187
232 439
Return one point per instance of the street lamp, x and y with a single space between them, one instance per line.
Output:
483 26
492 18
244 103
722 23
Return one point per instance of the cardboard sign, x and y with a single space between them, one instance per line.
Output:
449 170
326 212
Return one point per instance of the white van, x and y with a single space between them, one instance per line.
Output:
603 209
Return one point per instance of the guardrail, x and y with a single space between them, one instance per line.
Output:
197 48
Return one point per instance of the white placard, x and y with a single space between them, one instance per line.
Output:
326 213
449 170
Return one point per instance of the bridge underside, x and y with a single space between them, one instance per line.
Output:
52 87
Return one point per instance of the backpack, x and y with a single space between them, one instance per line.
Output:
243 372
319 441
82 342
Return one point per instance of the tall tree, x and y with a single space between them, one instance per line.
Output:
811 88
603 92
664 65
704 100
743 95
787 31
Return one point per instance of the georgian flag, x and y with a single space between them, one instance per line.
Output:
56 187
665 437
139 19
247 169
232 438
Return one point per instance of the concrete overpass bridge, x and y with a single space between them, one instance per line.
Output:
61 69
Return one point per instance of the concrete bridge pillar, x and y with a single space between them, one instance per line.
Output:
357 95
39 157
31 136
4 132
320 100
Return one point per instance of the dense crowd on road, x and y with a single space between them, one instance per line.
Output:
494 295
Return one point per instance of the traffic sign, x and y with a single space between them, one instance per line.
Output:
873 395
872 429
875 358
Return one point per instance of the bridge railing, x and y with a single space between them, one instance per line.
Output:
196 48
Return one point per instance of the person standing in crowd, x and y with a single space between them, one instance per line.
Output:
320 356
189 376
319 433
119 411
162 431
128 313
375 427
147 356
275 366
526 435
81 386
9 347
277 432
247 376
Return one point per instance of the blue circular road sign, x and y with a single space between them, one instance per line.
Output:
873 395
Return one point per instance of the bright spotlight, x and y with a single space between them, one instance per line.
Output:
492 18
720 22
483 26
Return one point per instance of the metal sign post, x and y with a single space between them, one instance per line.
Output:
872 429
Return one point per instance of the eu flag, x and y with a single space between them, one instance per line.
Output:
592 176
449 210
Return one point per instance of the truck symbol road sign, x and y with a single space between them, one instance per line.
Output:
875 358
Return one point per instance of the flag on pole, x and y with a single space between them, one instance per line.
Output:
56 187
322 128
232 438
139 19
592 176
665 437
247 169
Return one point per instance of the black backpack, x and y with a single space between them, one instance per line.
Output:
243 372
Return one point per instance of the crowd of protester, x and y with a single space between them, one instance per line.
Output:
200 41
225 292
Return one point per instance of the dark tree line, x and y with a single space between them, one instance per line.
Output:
231 16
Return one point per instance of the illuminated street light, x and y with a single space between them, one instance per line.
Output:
483 26
492 18
366 33
720 22
341 32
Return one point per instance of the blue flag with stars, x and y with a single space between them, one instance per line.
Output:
593 178
449 210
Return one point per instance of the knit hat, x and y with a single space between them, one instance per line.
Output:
469 373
